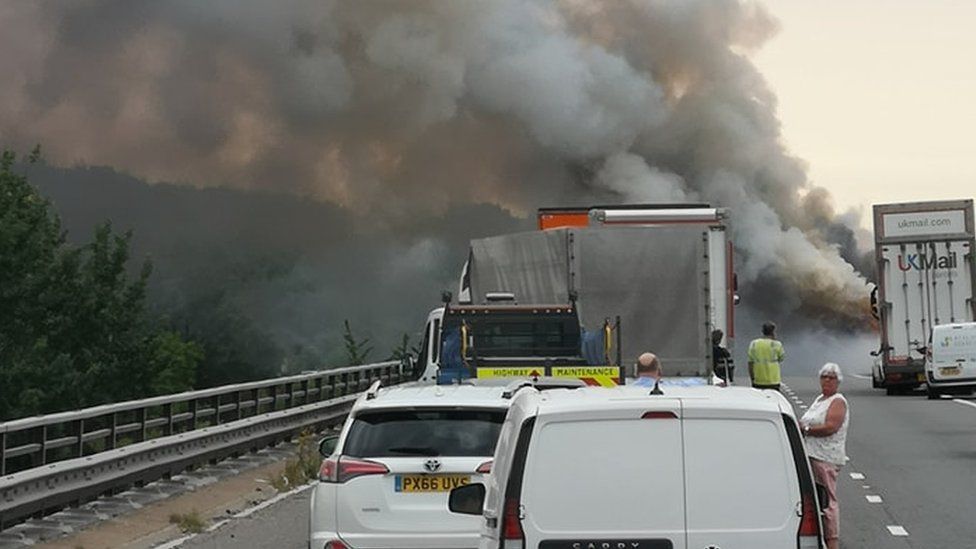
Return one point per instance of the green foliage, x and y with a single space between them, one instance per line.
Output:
74 331
404 349
189 523
356 349
303 468
234 349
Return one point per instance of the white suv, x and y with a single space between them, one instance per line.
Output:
385 481
622 468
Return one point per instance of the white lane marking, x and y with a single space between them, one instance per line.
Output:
866 486
178 542
857 476
861 376
873 499
966 402
269 502
897 530
803 406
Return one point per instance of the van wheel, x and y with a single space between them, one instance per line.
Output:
933 394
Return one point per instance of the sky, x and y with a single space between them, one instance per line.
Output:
877 96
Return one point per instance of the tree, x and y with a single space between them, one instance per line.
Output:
74 331
356 350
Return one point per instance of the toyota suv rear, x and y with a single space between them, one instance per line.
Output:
400 451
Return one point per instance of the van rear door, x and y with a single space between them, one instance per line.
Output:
742 485
954 353
605 478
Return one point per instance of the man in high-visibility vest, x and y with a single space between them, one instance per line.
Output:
765 356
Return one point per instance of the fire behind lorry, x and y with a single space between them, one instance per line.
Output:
504 339
924 259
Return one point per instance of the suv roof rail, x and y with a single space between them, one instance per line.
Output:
373 390
541 384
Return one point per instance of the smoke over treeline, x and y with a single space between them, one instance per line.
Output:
398 123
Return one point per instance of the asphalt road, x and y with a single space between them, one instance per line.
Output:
917 456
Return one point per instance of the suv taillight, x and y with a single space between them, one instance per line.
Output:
336 544
340 469
485 467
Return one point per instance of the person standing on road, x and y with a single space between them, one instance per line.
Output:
722 359
825 436
765 356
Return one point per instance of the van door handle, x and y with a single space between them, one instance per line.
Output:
799 508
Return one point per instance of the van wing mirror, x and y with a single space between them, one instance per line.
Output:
468 499
822 496
328 445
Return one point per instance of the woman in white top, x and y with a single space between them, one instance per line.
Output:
825 427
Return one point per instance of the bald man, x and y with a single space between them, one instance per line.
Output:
648 370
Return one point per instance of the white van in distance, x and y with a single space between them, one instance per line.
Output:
621 468
950 360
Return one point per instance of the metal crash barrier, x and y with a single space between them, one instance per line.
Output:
51 461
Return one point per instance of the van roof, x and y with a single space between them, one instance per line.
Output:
407 395
707 396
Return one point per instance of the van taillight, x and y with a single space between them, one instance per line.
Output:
341 469
809 525
808 535
511 523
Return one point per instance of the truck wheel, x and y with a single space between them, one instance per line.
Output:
933 394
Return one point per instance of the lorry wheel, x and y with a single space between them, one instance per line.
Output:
933 394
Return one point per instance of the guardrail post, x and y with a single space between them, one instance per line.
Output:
193 414
81 438
216 407
3 454
43 445
142 415
113 437
273 393
168 412
240 412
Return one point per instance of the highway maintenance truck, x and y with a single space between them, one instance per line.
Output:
664 270
502 339
925 264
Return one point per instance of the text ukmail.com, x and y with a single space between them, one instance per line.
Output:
948 222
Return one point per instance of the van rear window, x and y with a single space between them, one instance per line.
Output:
433 432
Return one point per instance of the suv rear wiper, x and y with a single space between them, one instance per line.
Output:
415 450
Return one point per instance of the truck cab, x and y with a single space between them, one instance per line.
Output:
506 339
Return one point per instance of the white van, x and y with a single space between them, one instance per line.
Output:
621 468
950 360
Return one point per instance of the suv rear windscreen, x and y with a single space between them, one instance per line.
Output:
406 433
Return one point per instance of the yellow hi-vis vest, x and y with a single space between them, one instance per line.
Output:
765 355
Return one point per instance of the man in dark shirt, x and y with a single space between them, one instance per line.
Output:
722 359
